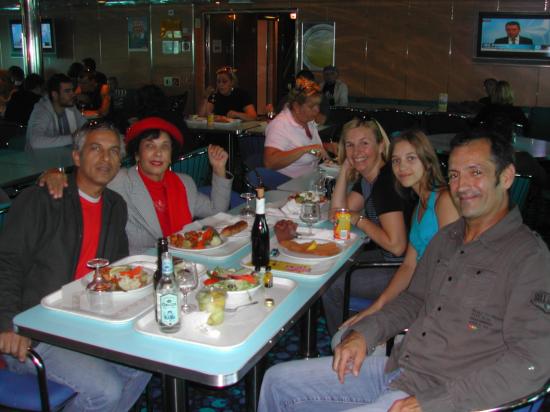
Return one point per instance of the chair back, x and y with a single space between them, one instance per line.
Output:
32 392
520 190
435 123
530 403
393 120
4 207
251 150
196 165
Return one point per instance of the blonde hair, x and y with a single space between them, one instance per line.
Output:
503 93
380 136
229 72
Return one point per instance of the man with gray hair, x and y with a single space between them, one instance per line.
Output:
46 243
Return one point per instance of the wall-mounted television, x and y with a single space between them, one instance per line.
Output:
48 39
513 37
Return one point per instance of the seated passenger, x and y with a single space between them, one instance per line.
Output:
292 144
334 90
363 152
45 244
160 202
93 97
476 311
22 101
54 118
415 165
227 99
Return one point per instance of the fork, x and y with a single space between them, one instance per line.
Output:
236 308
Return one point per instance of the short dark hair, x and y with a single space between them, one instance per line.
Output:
89 63
306 74
32 81
16 73
502 151
54 83
513 23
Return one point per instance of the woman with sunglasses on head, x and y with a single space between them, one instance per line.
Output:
160 202
363 155
227 99
292 144
415 165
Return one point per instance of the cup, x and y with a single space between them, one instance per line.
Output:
210 120
212 300
442 104
100 301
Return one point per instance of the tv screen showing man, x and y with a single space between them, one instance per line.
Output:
513 29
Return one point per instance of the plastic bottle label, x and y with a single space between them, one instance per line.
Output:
169 310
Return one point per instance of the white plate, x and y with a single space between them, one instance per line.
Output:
148 269
207 248
308 256
201 269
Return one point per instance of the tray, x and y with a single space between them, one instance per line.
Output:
235 329
72 297
201 123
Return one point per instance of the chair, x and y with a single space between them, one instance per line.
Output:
196 165
32 393
393 120
12 135
251 150
435 123
236 199
4 207
270 179
530 403
520 190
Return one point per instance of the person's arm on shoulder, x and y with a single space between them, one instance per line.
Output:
445 209
398 283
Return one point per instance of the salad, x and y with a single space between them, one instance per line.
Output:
196 239
232 280
307 196
126 277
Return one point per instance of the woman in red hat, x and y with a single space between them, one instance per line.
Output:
160 202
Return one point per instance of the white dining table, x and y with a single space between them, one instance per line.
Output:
185 361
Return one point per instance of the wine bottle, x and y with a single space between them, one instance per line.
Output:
162 247
168 298
260 233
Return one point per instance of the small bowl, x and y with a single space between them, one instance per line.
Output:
240 297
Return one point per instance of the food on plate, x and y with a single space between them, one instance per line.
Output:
285 230
126 277
222 119
234 228
308 196
231 280
196 239
312 248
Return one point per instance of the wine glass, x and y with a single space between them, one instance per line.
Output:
247 210
310 213
188 280
98 284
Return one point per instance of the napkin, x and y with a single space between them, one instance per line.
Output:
197 321
291 208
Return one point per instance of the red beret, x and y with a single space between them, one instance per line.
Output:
152 123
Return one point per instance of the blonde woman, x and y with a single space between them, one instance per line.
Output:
376 209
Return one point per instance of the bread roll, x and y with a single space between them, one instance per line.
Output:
234 228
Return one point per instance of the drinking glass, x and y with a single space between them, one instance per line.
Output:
319 185
310 213
188 280
98 284
247 210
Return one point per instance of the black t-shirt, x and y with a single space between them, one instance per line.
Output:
237 100
383 198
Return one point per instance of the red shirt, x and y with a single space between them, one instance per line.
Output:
91 221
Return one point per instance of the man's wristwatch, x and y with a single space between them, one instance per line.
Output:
361 217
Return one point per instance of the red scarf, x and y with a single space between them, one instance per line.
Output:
170 201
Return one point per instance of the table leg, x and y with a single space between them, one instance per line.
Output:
253 383
308 332
176 394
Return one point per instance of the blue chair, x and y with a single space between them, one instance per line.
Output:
4 207
251 150
520 190
235 201
196 165
270 179
32 393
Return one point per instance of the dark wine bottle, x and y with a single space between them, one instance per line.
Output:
162 247
260 233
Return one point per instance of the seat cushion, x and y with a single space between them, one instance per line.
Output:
21 391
